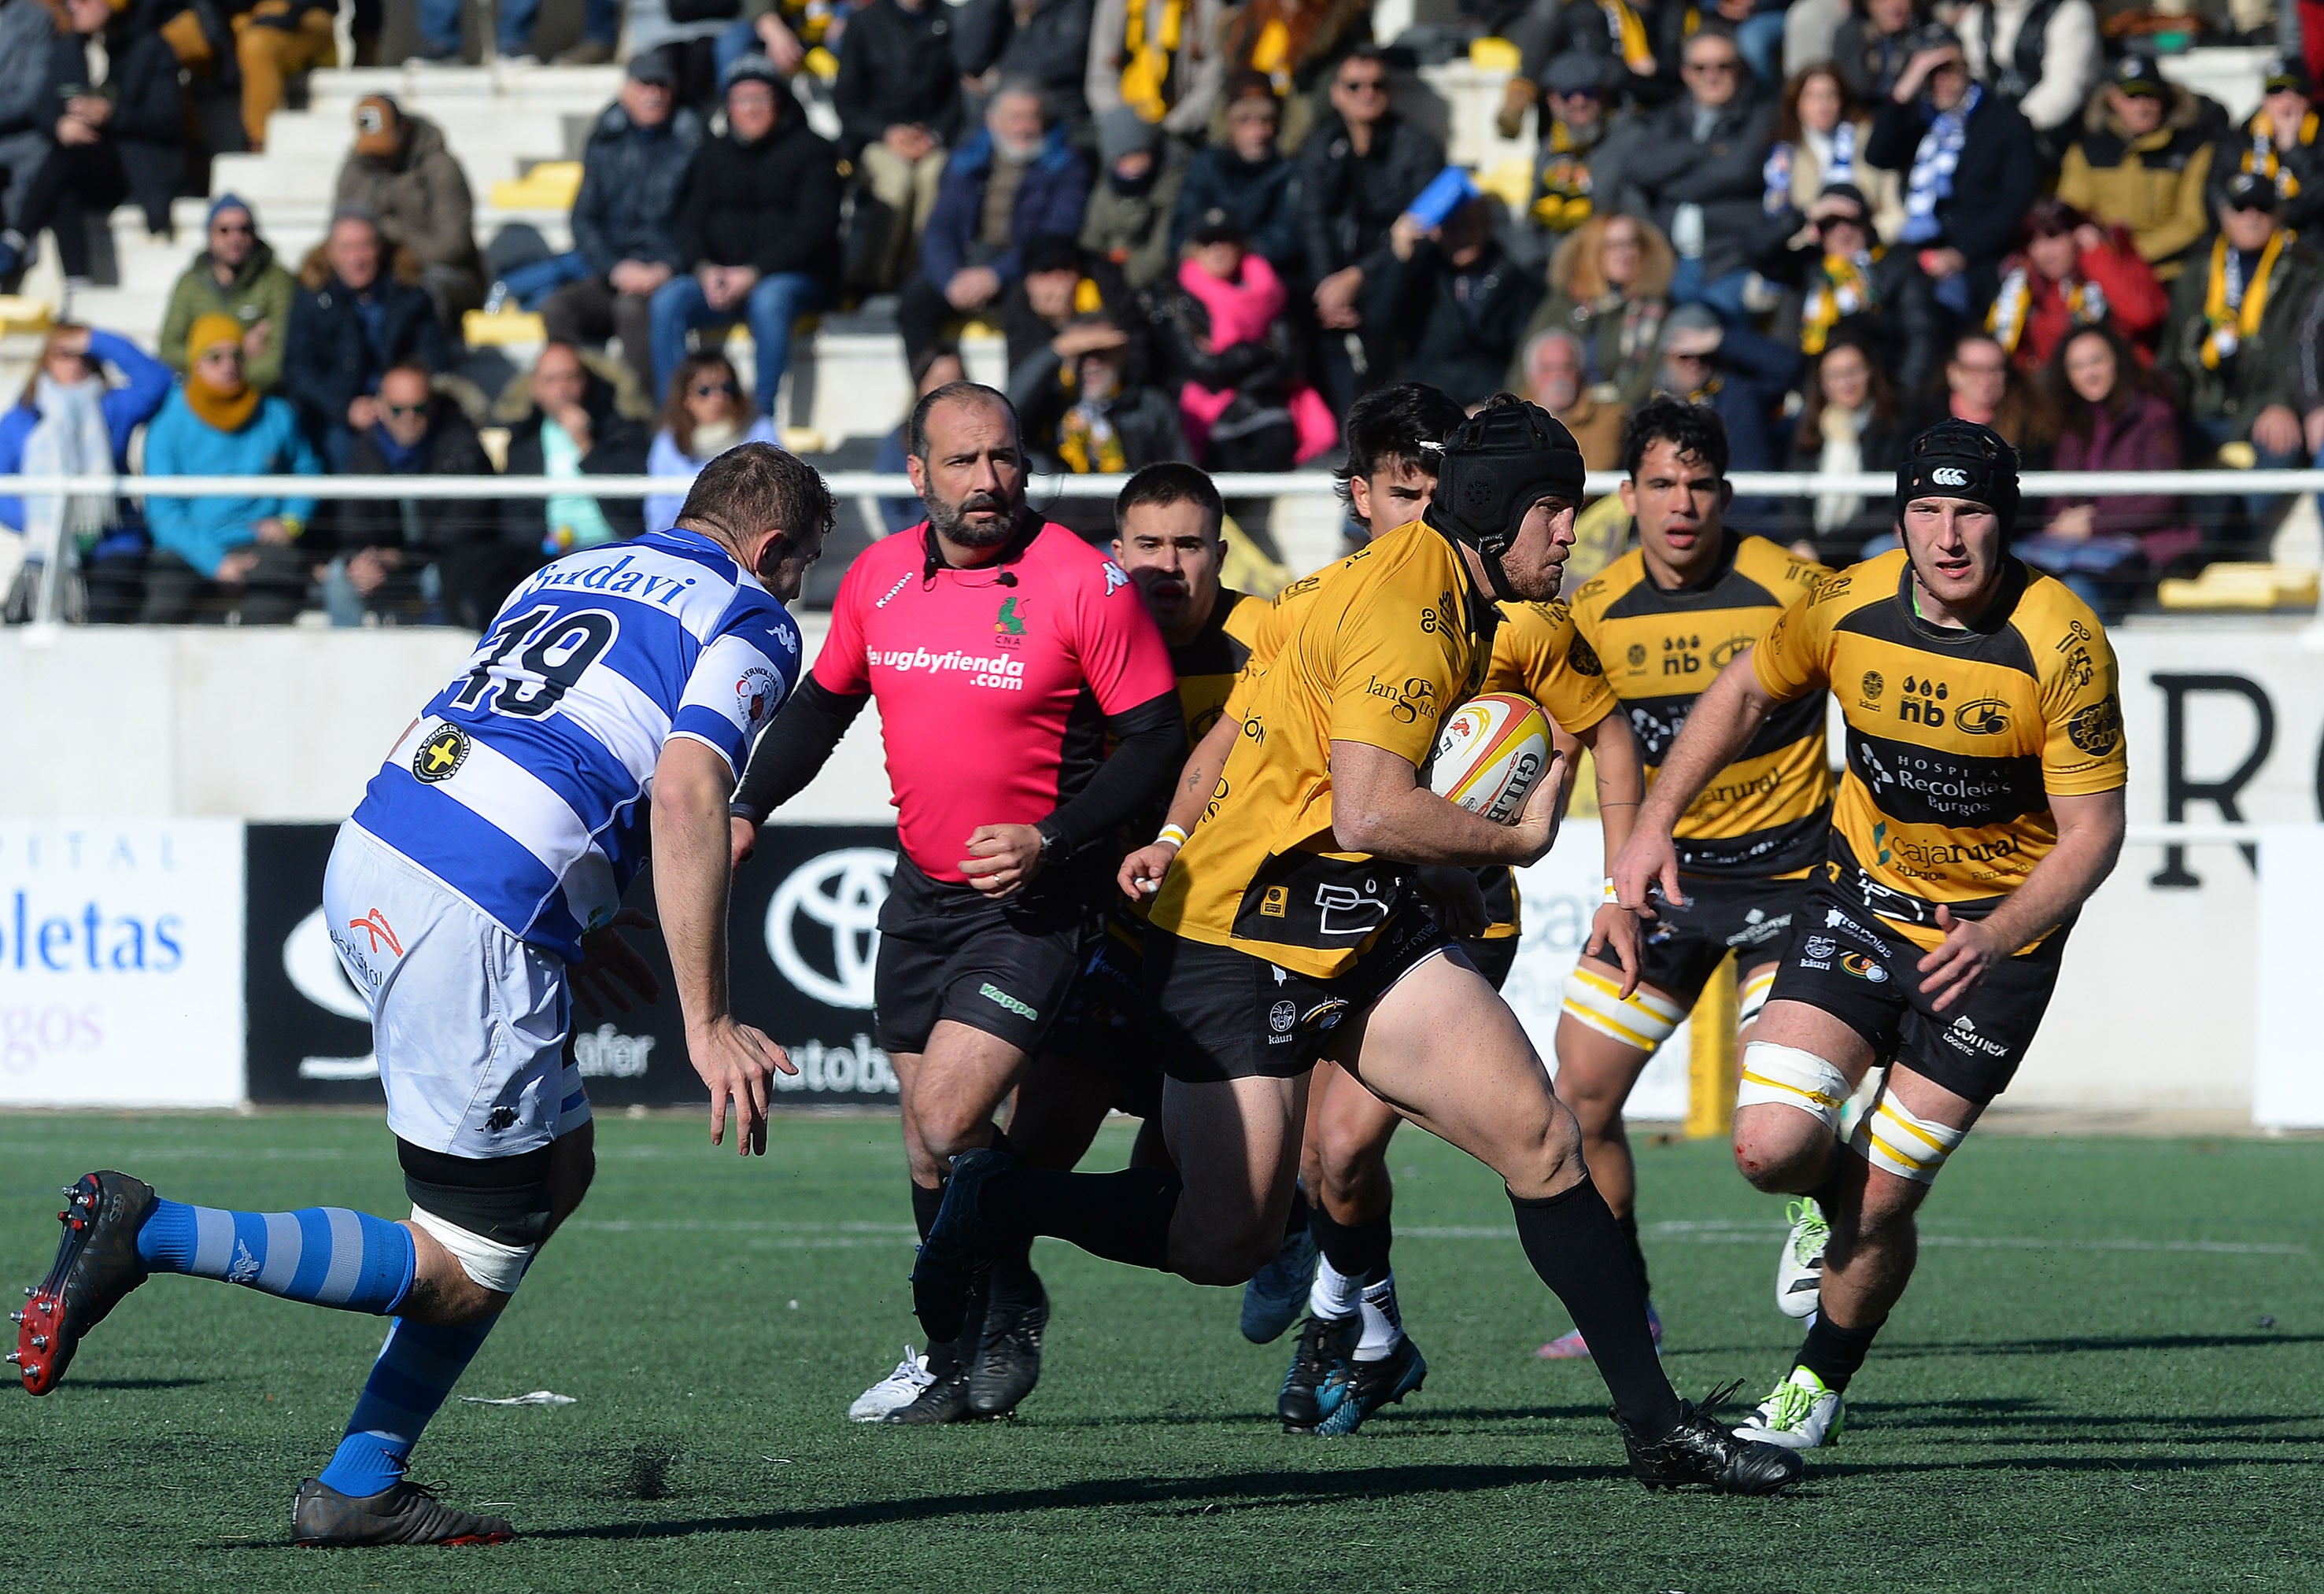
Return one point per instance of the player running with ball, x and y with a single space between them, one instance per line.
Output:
616 694
1285 931
1983 804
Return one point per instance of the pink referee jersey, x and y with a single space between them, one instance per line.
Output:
994 683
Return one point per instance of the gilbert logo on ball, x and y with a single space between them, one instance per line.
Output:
1492 749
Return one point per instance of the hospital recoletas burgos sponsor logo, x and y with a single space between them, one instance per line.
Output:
822 925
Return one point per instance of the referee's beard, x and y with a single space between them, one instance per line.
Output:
995 519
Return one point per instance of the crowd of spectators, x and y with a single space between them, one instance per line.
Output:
1203 230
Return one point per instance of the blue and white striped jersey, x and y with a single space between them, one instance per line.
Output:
524 784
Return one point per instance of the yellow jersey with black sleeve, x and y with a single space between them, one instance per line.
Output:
1385 643
1765 815
1956 738
1207 666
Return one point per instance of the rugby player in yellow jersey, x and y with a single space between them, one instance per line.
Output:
1983 804
1285 931
1100 1055
1660 622
1353 1355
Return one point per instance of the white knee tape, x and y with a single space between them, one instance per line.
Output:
1638 1019
1754 996
1896 1141
492 1264
1785 1076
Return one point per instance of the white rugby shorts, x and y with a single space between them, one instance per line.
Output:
469 1023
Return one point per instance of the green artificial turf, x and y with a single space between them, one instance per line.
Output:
2108 1375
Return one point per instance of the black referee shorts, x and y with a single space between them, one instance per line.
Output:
1003 965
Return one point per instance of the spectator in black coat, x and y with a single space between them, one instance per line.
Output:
1837 275
566 419
1457 299
1698 172
899 99
625 217
1042 42
114 134
412 559
1971 171
1249 179
1358 171
759 221
352 322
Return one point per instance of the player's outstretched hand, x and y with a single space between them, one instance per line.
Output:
738 1064
1647 859
1536 823
741 840
1001 858
1960 963
1617 927
1140 874
611 971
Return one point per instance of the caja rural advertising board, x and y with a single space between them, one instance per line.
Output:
804 918
121 949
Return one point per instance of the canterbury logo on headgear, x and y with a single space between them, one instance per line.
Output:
1962 459
1948 476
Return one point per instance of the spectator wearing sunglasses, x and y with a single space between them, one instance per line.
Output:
703 417
237 275
412 560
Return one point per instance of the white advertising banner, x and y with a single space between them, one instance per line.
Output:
121 962
1560 894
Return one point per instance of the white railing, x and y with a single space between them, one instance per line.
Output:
2210 483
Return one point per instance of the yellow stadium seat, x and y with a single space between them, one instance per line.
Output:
1510 182
2230 585
501 329
550 185
1494 55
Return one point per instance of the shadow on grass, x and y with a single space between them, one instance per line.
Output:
1267 1420
2082 1344
80 1383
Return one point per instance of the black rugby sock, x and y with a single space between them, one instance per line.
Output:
1833 1353
926 1203
1300 1221
1355 1250
1628 1223
1012 1280
1576 1247
1123 1217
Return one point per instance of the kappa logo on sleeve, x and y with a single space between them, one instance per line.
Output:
1116 578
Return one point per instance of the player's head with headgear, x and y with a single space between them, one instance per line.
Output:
963 451
768 507
1507 492
1395 437
1167 537
1674 483
1956 509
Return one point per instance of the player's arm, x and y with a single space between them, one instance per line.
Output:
1380 806
1149 739
1621 787
2089 839
791 754
692 786
1140 874
1721 725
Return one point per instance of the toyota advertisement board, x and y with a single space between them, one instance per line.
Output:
804 921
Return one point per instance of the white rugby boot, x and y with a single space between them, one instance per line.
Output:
1800 1413
898 1390
1799 1271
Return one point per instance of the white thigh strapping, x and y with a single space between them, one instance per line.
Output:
492 1264
1894 1139
1639 1020
1786 1076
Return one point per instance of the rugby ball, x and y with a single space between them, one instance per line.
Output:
1492 749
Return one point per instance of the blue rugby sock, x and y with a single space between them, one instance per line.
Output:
327 1254
416 1369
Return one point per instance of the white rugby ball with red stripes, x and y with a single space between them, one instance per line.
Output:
1492 749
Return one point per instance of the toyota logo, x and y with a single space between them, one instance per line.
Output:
841 893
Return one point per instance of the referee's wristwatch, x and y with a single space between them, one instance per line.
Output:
1052 846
